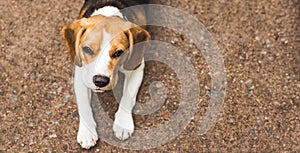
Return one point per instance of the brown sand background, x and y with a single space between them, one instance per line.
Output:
259 41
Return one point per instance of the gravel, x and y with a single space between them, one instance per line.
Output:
259 41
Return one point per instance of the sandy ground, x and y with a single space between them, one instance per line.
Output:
259 41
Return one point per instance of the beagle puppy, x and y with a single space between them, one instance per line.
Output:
101 43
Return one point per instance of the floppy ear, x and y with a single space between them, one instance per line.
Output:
136 35
71 34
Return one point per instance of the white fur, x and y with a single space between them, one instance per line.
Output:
103 59
87 134
83 86
123 124
108 11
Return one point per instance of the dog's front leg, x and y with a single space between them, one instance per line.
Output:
87 135
123 124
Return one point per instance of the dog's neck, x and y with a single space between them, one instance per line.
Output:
108 11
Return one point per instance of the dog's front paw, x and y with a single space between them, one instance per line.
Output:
123 125
87 137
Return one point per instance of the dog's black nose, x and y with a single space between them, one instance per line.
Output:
100 81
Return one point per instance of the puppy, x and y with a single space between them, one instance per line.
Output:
101 43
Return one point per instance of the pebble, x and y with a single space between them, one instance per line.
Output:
59 90
263 52
32 77
249 95
58 105
213 94
67 97
53 136
284 41
55 122
270 58
257 38
31 143
16 139
31 124
251 131
48 112
14 98
258 122
159 85
231 138
195 52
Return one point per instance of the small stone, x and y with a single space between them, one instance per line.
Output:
257 38
14 98
263 52
48 112
67 97
231 138
58 105
284 41
258 122
16 139
249 95
55 122
53 136
31 143
251 131
32 77
31 124
213 94
59 90
270 58
195 52
159 85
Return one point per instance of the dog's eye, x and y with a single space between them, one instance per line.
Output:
118 53
88 50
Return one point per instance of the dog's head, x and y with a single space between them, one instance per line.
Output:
100 45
